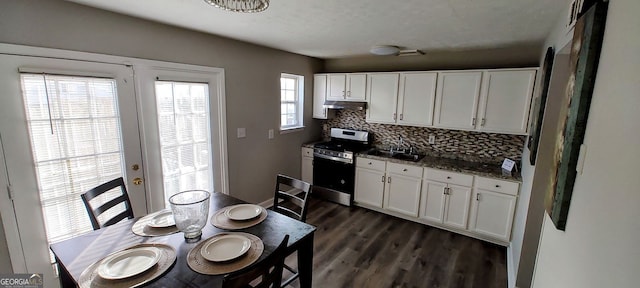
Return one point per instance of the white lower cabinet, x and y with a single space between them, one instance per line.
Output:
492 211
443 202
472 205
370 180
307 165
402 191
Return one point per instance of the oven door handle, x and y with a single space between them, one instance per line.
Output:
343 160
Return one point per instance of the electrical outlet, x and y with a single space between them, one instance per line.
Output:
270 133
432 139
242 132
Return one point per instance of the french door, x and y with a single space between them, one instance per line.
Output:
66 127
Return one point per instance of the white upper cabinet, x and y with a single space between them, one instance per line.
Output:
382 95
401 98
416 98
347 87
319 96
505 101
457 99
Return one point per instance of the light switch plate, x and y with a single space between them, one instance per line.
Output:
242 132
270 133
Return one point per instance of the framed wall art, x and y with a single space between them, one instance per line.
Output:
584 57
539 104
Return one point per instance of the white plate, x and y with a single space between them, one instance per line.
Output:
129 263
162 220
225 248
243 212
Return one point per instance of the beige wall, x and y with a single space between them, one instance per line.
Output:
600 245
507 57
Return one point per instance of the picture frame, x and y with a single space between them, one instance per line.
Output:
540 103
571 127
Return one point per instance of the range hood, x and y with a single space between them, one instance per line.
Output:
349 105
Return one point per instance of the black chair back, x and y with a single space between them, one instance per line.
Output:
292 205
97 211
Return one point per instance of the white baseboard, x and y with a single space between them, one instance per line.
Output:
511 274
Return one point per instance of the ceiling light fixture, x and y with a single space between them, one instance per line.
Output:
384 50
245 6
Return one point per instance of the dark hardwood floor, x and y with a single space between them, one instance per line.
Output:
356 247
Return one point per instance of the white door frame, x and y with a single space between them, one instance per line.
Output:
8 216
146 73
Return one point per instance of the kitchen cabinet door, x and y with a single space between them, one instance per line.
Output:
319 96
402 194
347 87
357 87
432 202
505 101
456 212
369 187
416 97
457 99
492 214
307 165
336 87
382 94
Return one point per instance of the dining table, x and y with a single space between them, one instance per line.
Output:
74 255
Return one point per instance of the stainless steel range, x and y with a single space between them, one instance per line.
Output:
334 167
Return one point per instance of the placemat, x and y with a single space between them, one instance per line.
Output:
220 220
91 278
197 263
142 228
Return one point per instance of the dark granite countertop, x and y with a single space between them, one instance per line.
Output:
454 165
492 170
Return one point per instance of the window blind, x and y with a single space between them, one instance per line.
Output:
185 141
75 132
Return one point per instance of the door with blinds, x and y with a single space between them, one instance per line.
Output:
67 126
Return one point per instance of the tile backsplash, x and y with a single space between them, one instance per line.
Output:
466 145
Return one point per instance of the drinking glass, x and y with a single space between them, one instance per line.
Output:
190 210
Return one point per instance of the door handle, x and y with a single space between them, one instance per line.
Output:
137 181
135 167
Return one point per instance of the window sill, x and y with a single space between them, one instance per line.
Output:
291 130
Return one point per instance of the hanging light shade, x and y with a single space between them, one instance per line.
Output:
246 6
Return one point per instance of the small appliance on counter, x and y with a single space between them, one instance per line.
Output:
334 169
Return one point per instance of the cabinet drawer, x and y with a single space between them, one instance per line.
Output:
307 152
408 170
448 177
371 164
500 186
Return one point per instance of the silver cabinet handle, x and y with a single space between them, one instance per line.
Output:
400 116
473 122
478 197
394 116
343 94
348 93
388 179
382 178
482 122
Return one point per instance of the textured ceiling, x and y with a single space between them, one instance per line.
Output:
348 28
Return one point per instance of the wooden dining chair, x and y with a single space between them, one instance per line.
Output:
293 205
123 198
269 271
